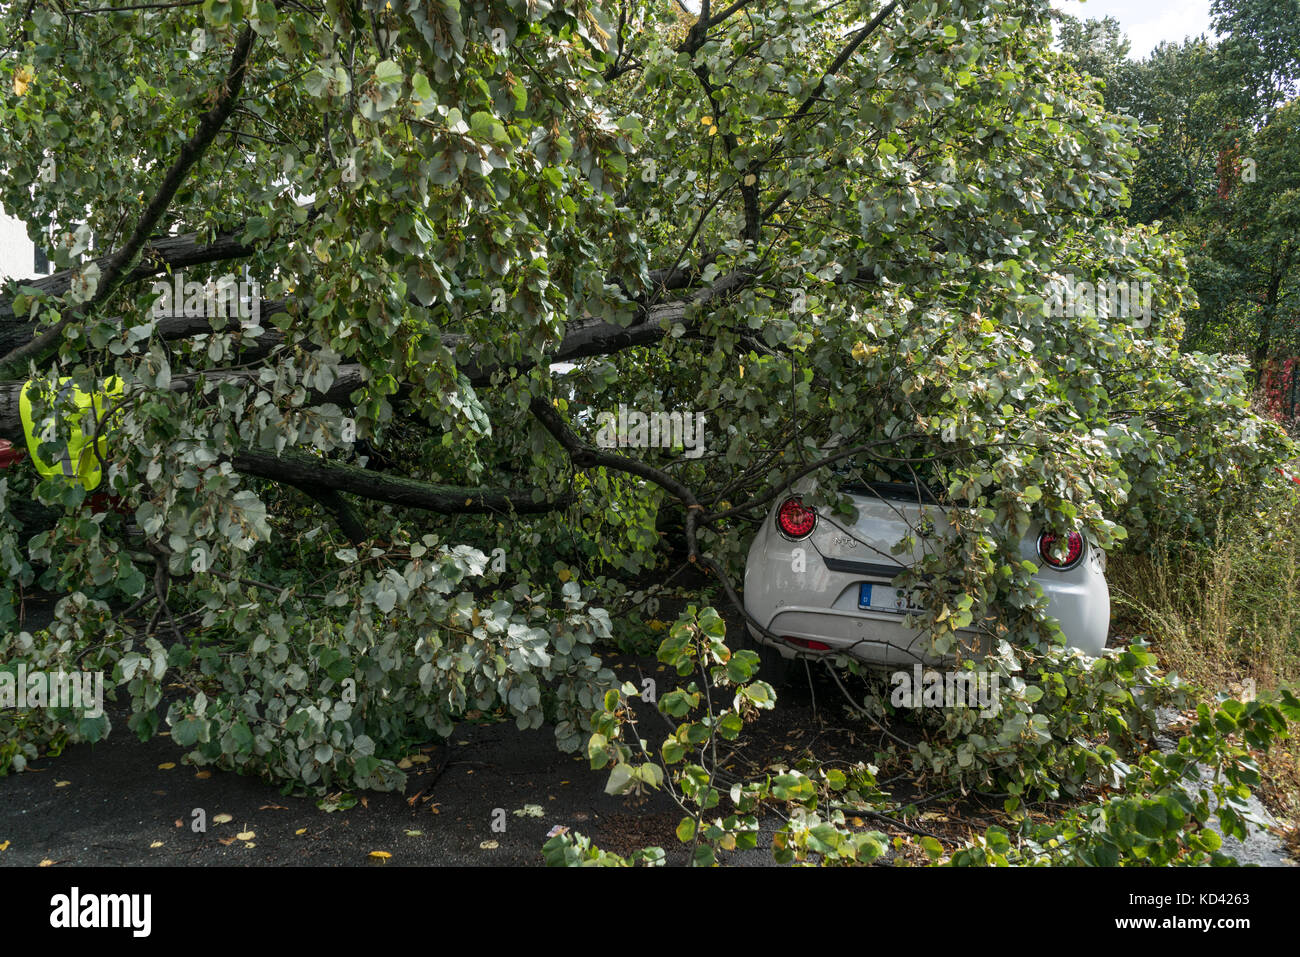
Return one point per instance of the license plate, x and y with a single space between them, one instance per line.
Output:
877 597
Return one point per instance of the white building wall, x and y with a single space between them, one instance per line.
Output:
17 252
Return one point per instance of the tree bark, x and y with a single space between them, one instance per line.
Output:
307 471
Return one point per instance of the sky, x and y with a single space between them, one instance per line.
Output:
1147 22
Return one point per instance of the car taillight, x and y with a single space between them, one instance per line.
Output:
806 643
9 455
794 519
1047 548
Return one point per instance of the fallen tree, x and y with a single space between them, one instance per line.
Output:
832 230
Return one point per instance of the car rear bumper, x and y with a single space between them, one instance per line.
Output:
816 600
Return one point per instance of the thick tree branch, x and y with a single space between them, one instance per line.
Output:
181 251
593 337
344 514
161 254
851 48
695 38
585 456
583 338
306 471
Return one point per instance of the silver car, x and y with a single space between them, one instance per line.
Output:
824 584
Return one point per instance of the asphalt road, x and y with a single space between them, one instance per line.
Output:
488 797
127 802
1262 847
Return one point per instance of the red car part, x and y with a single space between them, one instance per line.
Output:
10 455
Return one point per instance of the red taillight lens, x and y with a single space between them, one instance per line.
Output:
1047 548
9 455
806 643
794 519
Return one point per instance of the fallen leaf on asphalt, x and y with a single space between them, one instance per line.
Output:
61 784
557 831
222 819
419 759
180 823
434 808
225 841
203 775
273 807
858 822
338 801
250 845
245 835
404 763
46 863
156 844
410 802
530 810
489 845
4 846
166 765
415 834
365 802
380 855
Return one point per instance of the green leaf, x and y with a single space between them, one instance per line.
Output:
620 779
387 72
487 127
932 848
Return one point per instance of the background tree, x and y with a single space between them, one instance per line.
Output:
1213 165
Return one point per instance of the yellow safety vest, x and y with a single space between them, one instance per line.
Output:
79 460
